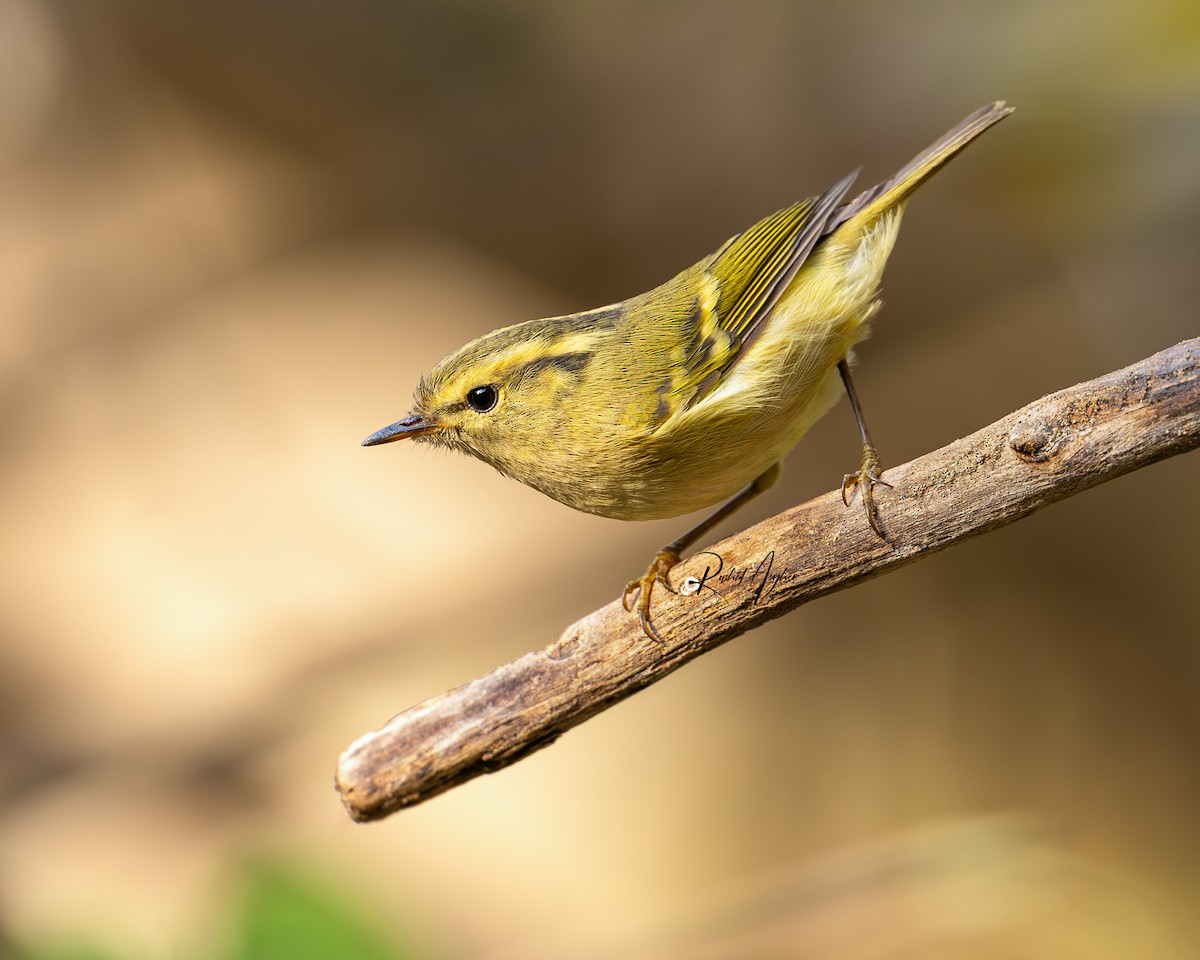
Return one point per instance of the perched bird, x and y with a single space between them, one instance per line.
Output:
692 393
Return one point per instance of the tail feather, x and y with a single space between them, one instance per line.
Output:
895 189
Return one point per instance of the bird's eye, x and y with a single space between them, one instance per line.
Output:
482 399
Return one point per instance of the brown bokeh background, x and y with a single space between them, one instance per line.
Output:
232 235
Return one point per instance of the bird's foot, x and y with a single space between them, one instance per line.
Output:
868 477
637 592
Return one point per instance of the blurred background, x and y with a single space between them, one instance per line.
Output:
232 236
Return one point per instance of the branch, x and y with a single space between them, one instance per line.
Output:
1047 451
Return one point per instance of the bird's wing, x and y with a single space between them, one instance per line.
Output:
743 282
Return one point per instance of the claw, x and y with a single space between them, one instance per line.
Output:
867 478
648 628
640 590
848 481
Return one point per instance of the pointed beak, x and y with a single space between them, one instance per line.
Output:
410 426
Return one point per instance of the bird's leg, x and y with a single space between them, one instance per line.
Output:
870 470
639 590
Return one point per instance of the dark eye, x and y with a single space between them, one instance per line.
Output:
482 399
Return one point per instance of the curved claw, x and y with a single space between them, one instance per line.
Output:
867 478
632 589
647 627
640 590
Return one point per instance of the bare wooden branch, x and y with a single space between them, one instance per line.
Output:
1049 450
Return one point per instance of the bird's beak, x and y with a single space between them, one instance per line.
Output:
410 426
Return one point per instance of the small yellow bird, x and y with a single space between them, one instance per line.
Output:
681 397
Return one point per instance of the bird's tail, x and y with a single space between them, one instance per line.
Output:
884 196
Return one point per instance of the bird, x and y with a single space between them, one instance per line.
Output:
692 393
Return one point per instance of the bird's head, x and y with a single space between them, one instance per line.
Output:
504 397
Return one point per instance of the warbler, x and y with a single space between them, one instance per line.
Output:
691 394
